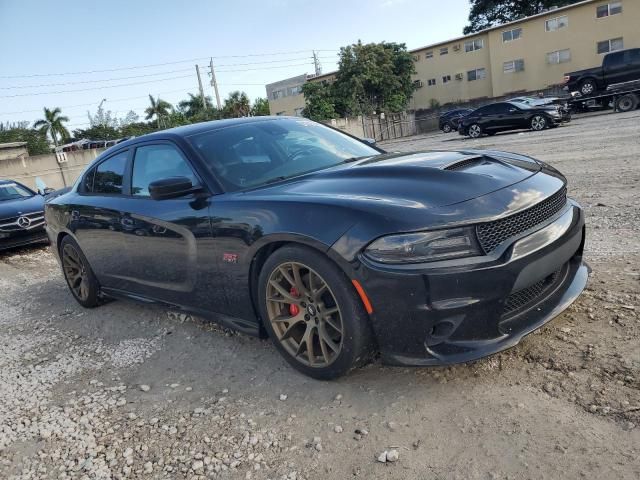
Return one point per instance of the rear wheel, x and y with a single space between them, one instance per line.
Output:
627 103
80 278
313 314
538 122
446 128
475 130
588 86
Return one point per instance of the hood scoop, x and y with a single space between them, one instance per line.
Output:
465 163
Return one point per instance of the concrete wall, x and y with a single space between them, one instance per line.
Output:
55 175
13 152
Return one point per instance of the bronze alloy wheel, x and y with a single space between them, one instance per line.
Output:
75 272
304 314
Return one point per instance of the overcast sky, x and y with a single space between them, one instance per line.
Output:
40 38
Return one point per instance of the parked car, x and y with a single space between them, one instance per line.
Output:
333 248
21 215
502 116
617 67
448 121
561 103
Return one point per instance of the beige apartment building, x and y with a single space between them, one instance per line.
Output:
526 55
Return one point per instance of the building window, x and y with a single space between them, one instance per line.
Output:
472 45
510 35
513 66
431 82
609 9
477 74
277 94
429 54
295 90
444 50
557 23
612 45
559 56
416 58
446 78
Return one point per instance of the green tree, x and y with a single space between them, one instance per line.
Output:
319 101
137 129
260 107
192 107
158 109
489 13
97 132
373 77
236 105
52 124
36 140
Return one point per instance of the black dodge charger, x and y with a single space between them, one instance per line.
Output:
502 116
328 245
21 215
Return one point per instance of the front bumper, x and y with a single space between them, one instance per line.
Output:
21 238
461 310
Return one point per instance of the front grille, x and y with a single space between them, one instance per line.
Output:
522 298
12 224
492 234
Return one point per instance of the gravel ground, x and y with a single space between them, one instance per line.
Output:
133 391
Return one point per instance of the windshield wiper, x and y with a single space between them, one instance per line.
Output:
355 159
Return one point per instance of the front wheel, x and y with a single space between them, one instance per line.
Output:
538 122
446 128
313 314
80 278
588 87
474 131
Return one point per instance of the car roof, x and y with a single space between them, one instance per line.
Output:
195 128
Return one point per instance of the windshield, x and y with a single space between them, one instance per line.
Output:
12 191
257 153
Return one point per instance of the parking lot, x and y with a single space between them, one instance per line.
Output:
134 391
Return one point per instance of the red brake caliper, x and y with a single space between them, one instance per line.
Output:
293 308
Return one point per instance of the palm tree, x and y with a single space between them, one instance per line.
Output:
237 105
159 109
193 105
52 124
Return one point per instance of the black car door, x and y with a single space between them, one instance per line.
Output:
94 217
617 67
167 243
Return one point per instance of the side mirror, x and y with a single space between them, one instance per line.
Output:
511 110
370 141
42 187
171 187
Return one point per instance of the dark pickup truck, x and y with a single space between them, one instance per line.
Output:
617 67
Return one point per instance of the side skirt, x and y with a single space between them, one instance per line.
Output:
245 326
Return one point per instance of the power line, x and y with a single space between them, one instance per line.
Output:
96 81
81 82
94 88
86 72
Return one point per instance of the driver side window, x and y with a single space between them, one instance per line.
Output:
157 162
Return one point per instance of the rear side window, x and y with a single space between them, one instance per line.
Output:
109 174
157 162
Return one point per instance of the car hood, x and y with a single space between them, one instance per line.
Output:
421 180
13 208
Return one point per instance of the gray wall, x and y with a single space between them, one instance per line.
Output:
54 174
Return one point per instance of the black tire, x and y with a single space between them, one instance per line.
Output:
474 130
357 342
89 296
446 128
588 87
627 103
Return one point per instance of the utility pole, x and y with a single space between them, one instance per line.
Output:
316 64
204 103
214 84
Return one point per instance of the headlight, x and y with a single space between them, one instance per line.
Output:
424 246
